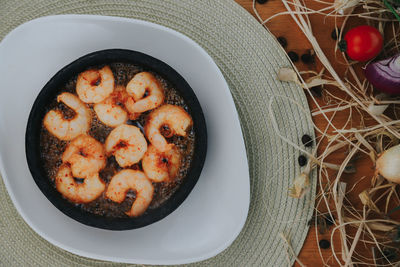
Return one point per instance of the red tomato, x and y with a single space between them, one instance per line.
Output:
363 43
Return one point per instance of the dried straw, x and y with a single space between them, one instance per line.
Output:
366 222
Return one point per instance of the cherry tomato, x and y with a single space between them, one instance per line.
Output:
363 43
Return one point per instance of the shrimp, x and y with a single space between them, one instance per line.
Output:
173 118
110 111
134 180
86 156
93 86
127 144
90 189
146 91
161 166
68 129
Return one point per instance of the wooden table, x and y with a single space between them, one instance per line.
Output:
297 42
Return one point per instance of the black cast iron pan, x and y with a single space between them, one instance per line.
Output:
52 88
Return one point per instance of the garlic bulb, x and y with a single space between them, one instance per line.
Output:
388 164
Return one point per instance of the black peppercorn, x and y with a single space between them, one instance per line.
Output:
294 57
307 140
302 160
262 1
330 220
316 91
282 40
389 254
307 58
324 244
335 34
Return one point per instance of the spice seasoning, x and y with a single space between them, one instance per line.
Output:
302 160
308 58
335 34
306 140
294 57
324 244
282 40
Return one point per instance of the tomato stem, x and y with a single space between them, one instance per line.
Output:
391 8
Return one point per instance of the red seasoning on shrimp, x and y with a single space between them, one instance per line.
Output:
68 129
110 111
93 86
127 144
174 117
85 155
146 93
90 189
161 166
131 180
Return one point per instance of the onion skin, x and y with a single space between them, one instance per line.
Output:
388 164
384 75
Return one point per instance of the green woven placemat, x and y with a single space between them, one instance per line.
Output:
249 58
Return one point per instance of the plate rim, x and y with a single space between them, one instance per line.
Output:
58 244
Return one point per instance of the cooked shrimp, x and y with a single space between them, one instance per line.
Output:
67 129
93 86
90 189
86 156
111 111
136 181
146 91
161 166
173 118
127 144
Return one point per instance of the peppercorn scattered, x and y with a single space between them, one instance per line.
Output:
316 91
389 254
294 57
335 34
330 220
282 40
302 160
307 58
306 140
324 244
262 1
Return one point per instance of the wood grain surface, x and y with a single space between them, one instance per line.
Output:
284 26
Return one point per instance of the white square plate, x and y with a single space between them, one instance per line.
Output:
213 214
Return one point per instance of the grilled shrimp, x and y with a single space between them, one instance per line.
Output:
173 118
161 166
86 156
127 144
146 91
85 192
135 180
93 86
68 129
111 111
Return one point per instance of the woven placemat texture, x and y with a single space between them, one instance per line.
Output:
249 58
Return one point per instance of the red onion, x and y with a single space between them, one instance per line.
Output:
385 74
